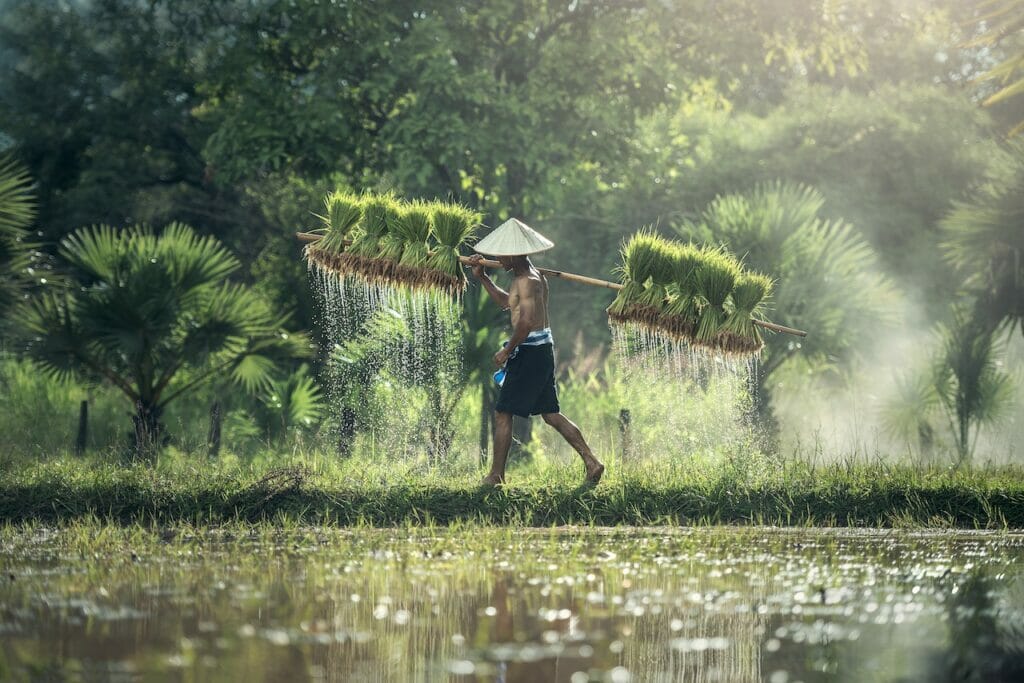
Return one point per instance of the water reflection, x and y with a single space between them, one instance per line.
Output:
499 605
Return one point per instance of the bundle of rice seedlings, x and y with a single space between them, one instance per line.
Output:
679 316
414 228
454 225
390 247
344 211
360 257
714 279
739 335
651 302
343 214
638 257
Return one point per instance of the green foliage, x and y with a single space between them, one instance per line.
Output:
583 117
964 389
378 491
971 387
152 316
39 414
1002 24
288 402
818 264
880 159
17 204
17 210
984 241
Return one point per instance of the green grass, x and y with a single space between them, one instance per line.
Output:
311 489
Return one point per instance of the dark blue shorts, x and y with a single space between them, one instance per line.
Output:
529 387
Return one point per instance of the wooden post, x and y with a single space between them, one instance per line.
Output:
213 441
522 435
83 428
626 433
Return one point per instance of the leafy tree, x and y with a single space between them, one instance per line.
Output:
152 315
1001 23
828 277
105 123
984 241
962 391
875 157
972 389
17 209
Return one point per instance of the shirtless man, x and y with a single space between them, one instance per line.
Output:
528 358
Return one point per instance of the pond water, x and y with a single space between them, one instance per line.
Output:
484 604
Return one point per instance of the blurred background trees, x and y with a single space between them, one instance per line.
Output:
587 118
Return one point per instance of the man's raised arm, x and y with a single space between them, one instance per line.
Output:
498 295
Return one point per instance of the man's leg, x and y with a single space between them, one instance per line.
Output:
571 433
502 442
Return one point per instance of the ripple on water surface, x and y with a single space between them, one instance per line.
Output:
501 605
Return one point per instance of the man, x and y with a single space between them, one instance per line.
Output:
528 360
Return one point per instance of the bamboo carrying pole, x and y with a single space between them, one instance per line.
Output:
309 237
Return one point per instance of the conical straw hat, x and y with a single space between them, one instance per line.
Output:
513 238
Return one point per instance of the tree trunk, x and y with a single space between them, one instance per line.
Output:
83 428
625 430
213 441
148 430
964 440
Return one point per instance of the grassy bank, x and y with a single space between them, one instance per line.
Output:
321 490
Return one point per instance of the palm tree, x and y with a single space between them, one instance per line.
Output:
961 391
17 209
154 316
971 388
984 241
828 277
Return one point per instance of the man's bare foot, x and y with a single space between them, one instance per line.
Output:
492 480
594 473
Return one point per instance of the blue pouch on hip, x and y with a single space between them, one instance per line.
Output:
499 376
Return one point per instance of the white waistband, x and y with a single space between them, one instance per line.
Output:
539 338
